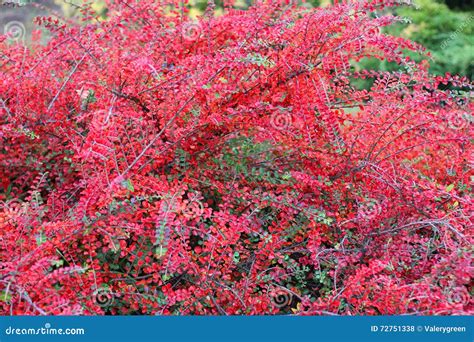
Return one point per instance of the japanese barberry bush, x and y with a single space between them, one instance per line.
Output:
155 164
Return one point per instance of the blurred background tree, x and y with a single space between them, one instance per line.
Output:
446 32
444 29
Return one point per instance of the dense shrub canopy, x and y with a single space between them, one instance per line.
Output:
151 164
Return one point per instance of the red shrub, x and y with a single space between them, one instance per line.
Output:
155 165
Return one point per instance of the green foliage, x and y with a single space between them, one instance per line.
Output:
446 33
245 158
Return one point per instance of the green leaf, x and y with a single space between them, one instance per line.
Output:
236 257
160 251
40 239
450 187
128 185
5 297
57 263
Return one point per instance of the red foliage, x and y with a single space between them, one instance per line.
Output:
155 165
